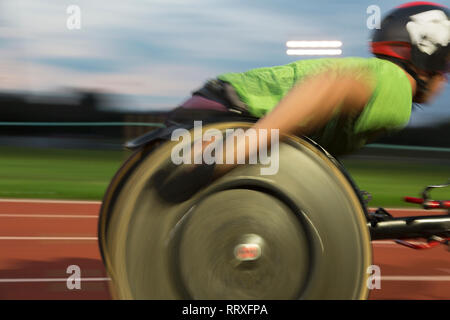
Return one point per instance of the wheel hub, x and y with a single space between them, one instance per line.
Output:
250 250
242 244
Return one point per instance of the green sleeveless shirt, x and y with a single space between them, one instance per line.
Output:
388 109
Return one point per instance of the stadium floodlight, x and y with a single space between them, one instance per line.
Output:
314 44
314 52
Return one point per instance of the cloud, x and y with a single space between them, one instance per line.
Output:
195 29
155 80
129 41
164 48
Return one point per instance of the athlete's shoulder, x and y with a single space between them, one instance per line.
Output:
391 102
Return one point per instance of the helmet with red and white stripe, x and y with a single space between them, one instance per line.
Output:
416 33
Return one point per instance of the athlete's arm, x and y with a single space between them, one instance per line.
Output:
313 102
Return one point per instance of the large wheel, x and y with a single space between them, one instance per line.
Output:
299 234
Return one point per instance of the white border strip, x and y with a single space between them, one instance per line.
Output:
426 212
100 202
389 243
49 238
385 242
50 201
383 278
29 280
415 278
26 215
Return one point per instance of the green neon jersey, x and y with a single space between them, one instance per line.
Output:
388 109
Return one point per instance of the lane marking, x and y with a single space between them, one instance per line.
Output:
426 212
29 280
415 278
383 242
20 215
388 242
49 238
377 242
50 201
100 202
383 278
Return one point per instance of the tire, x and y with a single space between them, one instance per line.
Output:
306 221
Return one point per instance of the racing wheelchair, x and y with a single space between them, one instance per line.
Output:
303 233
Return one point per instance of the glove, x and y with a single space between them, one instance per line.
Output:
178 184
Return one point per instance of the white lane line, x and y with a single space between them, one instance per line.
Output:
29 280
50 201
415 278
100 202
390 243
49 238
383 278
393 243
377 242
20 215
426 212
383 242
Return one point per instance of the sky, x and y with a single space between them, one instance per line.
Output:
153 53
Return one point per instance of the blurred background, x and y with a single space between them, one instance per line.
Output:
70 96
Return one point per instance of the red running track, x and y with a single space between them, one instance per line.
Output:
39 240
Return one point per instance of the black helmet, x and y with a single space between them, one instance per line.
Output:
416 33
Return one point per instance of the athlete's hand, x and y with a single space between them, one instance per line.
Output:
178 184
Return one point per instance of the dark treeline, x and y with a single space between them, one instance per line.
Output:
81 107
93 107
432 136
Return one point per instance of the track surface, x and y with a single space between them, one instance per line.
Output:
39 240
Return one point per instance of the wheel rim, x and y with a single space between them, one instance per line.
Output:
137 228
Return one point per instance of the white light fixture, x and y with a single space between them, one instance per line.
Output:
314 44
315 48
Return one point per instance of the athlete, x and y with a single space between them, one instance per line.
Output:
343 103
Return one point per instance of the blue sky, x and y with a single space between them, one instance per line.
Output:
155 52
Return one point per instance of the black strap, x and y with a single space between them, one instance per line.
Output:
182 115
422 86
